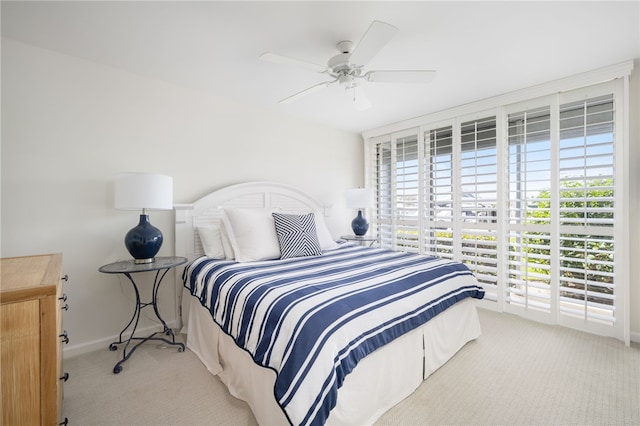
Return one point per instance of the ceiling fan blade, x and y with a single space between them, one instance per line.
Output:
358 97
280 59
376 37
401 76
307 91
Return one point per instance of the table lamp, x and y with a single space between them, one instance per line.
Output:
135 191
359 198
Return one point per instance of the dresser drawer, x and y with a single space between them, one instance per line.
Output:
31 324
20 343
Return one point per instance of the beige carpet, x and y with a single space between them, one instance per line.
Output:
517 372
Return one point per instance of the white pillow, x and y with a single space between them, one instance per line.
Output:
252 234
226 242
211 241
324 236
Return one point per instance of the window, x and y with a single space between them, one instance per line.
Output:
382 171
397 193
586 209
529 265
438 191
406 193
477 201
526 197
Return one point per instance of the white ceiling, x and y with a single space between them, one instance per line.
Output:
479 49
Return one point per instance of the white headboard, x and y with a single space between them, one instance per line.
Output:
206 210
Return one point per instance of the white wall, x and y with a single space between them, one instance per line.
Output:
68 126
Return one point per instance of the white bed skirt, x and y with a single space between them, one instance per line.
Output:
380 381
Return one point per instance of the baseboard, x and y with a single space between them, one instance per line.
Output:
70 351
635 337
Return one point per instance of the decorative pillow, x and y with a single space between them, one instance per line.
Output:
211 241
251 233
324 236
297 235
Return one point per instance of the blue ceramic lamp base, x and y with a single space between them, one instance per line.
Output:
143 241
360 224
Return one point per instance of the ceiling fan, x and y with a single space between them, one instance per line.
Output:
347 67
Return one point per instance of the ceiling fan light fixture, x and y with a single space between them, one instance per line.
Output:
339 63
348 65
346 79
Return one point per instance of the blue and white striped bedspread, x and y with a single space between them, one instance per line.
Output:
311 319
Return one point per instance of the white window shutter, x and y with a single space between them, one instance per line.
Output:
545 246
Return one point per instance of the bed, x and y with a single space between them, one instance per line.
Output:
245 310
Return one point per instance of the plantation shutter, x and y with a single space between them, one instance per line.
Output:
397 191
407 182
382 174
586 210
438 188
529 265
477 201
531 196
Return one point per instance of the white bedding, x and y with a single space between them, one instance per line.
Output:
376 385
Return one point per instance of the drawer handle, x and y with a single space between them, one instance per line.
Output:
65 337
66 307
65 377
65 278
65 422
63 298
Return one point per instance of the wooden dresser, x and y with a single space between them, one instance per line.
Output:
31 336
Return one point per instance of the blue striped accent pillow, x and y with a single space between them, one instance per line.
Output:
297 235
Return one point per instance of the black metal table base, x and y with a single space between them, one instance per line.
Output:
126 351
126 354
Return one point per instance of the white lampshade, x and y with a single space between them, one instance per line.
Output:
359 198
135 191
